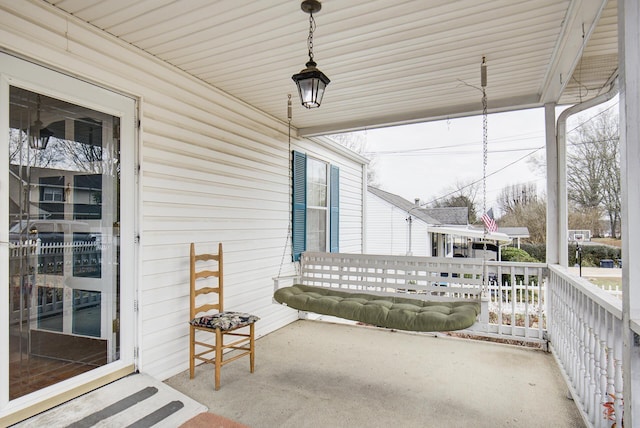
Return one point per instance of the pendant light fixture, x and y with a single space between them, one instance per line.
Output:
38 136
311 82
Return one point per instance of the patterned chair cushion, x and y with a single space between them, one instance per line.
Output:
224 320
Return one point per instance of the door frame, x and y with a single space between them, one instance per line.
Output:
22 73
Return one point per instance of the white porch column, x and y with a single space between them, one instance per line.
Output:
629 62
554 215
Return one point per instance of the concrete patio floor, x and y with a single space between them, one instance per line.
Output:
320 374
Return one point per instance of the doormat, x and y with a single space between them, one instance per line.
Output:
211 420
137 400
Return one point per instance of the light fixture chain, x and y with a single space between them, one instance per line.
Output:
312 28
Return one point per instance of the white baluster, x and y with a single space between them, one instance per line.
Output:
619 403
583 350
598 370
611 365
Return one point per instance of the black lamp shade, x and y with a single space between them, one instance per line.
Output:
311 83
39 136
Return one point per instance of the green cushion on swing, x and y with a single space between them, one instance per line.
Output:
400 313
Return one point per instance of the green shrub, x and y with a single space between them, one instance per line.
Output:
591 254
513 254
537 251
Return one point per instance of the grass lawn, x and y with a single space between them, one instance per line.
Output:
614 283
608 241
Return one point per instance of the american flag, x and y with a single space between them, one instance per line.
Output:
488 220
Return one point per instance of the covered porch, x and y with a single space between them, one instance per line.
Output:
314 373
546 350
193 70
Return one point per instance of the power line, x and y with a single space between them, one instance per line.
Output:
449 153
593 117
449 146
479 180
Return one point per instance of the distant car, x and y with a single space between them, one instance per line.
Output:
50 231
480 248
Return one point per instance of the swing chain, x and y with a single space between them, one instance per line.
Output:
485 151
485 137
289 231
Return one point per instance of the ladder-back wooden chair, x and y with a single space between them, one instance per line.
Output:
207 283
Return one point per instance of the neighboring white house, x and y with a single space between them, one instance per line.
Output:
397 226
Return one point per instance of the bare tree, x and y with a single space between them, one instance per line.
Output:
357 142
532 214
611 190
462 194
593 170
21 154
586 219
517 195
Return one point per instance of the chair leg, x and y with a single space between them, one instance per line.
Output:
192 351
218 362
252 348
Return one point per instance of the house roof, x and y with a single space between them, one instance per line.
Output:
449 215
390 62
435 225
515 232
470 232
401 203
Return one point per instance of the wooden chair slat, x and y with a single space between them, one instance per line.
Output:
200 279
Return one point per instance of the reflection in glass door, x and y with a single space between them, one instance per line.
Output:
64 286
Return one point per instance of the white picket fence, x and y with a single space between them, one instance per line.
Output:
613 290
516 293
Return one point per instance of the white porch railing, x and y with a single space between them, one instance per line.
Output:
585 330
33 260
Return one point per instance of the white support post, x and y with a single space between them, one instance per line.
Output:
629 63
553 212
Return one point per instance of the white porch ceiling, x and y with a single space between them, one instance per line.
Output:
389 61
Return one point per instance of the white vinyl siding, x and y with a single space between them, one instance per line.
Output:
212 169
388 230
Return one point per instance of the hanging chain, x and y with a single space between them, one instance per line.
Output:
312 28
485 138
485 150
290 225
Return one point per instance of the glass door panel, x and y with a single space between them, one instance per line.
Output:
64 216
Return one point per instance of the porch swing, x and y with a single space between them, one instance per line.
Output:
424 294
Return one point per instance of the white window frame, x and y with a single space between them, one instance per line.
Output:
320 208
